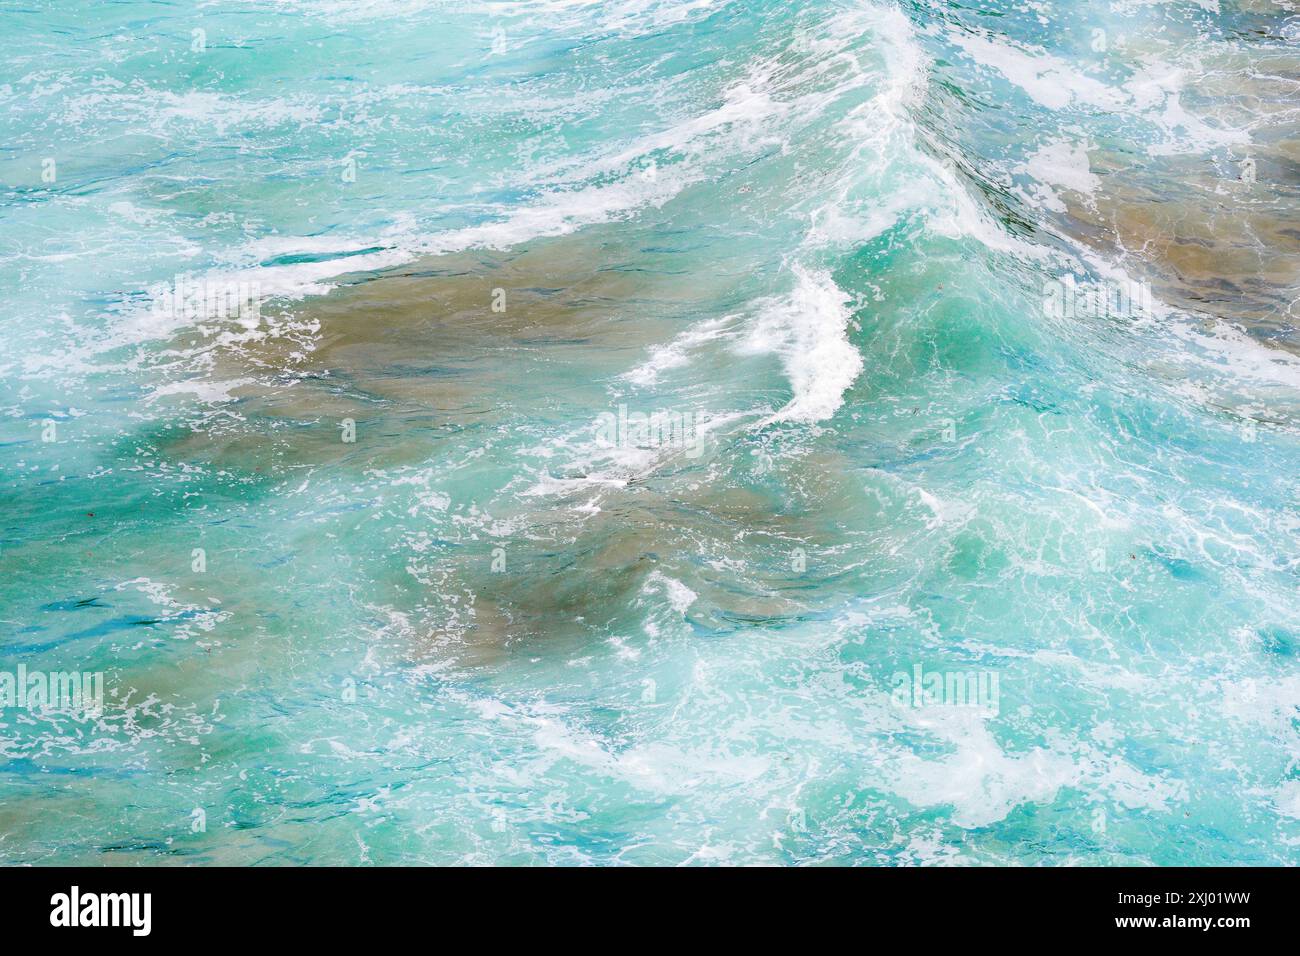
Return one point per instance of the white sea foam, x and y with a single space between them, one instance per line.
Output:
677 353
1063 164
808 329
982 782
1049 80
1153 94
679 596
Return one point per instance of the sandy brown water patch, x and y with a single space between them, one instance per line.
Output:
457 342
1216 232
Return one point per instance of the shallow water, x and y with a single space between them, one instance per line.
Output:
375 572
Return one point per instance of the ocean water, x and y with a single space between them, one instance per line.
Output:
651 432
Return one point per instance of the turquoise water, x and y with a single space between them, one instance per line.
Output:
374 572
